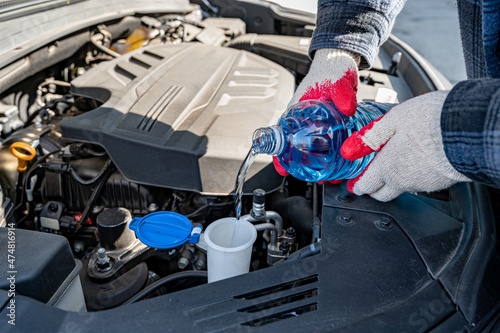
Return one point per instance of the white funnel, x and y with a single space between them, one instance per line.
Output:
229 255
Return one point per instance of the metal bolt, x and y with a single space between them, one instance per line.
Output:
79 246
385 222
346 217
103 262
201 262
284 246
182 262
102 256
152 207
290 232
199 265
97 209
80 71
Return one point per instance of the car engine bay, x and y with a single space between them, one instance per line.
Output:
154 112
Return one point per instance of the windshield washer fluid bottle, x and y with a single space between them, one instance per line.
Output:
308 138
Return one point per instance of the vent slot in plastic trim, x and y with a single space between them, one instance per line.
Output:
280 301
279 288
153 55
282 315
139 62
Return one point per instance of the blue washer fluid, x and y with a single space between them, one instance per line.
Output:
308 138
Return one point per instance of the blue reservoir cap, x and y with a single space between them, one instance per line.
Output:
165 230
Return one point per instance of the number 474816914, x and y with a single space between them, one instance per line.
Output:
11 242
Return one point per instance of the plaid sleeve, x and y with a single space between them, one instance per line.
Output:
470 124
355 25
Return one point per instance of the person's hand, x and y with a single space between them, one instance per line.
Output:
333 77
411 156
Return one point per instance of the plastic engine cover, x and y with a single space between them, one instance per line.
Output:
183 116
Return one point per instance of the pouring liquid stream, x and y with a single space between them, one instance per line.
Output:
240 180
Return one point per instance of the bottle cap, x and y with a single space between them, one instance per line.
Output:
165 230
259 196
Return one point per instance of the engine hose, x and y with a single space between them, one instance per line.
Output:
295 209
95 41
305 252
164 281
107 170
267 226
39 90
93 180
30 170
93 153
211 204
32 117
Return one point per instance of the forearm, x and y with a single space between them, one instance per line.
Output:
356 26
470 124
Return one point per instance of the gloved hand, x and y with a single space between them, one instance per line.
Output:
333 77
411 155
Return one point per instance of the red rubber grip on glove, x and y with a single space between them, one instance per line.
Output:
354 146
279 168
342 93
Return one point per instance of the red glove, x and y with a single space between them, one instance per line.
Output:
333 77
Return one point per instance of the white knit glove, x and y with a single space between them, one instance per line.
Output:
333 77
411 155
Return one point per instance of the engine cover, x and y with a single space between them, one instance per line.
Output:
183 116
